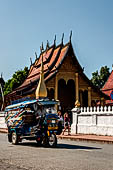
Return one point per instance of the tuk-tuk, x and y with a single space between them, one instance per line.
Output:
32 120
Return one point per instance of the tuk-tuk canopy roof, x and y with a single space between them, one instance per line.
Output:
30 102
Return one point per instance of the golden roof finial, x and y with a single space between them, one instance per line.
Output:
77 103
41 91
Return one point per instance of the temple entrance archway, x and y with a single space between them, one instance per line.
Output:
70 93
62 93
85 98
66 94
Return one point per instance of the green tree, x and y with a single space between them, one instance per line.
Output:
99 78
16 80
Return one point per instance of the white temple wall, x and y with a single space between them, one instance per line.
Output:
2 120
92 120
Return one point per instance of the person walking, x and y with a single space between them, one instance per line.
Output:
60 122
66 123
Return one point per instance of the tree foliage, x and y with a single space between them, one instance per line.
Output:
16 80
99 78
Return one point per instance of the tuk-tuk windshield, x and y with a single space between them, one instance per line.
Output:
50 110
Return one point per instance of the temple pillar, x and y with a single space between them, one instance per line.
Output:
56 90
102 101
81 98
76 87
89 96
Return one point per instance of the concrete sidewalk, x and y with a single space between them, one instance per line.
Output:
81 137
90 138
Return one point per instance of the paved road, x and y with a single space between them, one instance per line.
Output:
69 155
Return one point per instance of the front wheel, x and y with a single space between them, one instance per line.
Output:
52 140
14 138
9 138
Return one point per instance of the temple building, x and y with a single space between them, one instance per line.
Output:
108 88
64 78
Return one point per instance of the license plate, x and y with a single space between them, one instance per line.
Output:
53 121
53 128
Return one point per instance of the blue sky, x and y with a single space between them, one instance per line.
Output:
24 24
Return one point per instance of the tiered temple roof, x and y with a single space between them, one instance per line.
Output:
108 87
53 58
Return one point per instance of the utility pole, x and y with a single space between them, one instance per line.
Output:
2 97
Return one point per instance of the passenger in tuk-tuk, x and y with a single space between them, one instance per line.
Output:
40 114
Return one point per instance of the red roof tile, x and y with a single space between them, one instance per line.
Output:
46 55
52 63
60 58
109 83
37 70
55 53
107 92
62 54
108 87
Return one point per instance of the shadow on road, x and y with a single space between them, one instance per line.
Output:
60 146
68 146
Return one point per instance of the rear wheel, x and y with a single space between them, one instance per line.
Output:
52 140
14 138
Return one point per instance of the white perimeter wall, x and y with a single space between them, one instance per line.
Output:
2 120
98 121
